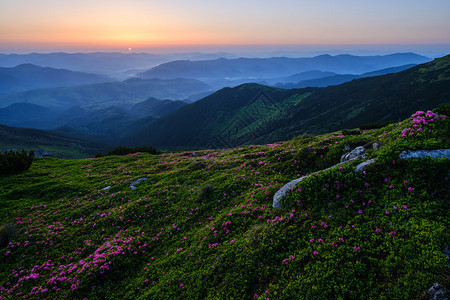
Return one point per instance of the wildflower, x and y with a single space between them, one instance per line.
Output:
387 212
405 207
232 241
377 230
315 252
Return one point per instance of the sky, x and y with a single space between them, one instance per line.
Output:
140 25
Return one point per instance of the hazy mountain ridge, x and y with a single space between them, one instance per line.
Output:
340 78
104 124
111 93
260 68
292 112
28 77
110 63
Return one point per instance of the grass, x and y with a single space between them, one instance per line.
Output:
202 225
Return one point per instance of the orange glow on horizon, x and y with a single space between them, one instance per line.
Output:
123 24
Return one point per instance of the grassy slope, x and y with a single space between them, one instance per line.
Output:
58 144
202 225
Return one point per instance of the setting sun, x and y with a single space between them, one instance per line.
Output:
103 24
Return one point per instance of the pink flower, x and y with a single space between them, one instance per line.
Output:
315 252
232 241
387 212
377 230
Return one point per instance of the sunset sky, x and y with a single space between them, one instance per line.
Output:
89 25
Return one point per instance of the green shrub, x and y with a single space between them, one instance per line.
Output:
205 192
122 150
14 162
8 233
351 131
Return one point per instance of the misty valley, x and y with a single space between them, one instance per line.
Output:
198 100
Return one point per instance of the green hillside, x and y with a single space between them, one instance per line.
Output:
201 224
257 114
58 144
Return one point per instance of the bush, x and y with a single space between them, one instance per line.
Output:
351 131
12 161
8 233
122 150
443 109
205 192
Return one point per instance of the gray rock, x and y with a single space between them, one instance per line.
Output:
347 148
362 166
106 188
42 153
358 152
440 153
437 292
376 146
132 185
281 193
447 254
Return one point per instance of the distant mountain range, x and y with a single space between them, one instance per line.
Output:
106 94
257 114
104 124
336 79
130 112
259 69
28 77
118 65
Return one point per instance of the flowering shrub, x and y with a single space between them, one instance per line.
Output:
211 232
420 122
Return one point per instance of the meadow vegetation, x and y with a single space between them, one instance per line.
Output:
202 224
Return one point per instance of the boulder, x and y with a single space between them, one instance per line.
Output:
362 166
440 153
281 193
132 185
358 152
376 146
437 292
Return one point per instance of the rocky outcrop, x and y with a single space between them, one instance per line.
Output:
132 184
362 166
440 153
360 153
357 153
281 193
437 292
